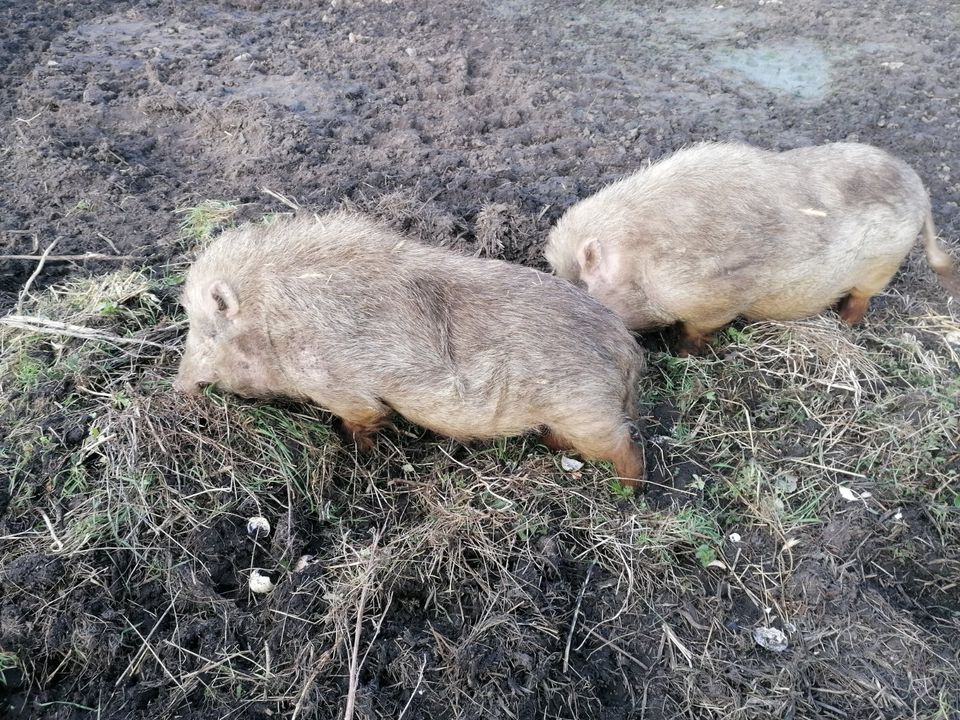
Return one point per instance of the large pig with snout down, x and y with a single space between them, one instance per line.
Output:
718 231
344 312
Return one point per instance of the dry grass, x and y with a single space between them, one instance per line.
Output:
200 222
483 581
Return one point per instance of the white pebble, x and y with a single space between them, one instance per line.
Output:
770 638
260 583
258 526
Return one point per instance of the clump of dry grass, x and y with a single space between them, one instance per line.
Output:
407 212
201 222
504 231
483 581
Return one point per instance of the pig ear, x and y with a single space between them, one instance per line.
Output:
590 258
223 300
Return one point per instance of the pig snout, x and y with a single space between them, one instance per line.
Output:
190 378
183 383
186 387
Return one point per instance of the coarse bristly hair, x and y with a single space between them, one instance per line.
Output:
341 310
721 230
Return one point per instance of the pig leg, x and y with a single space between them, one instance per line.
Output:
693 339
553 440
618 444
627 457
361 433
853 307
360 421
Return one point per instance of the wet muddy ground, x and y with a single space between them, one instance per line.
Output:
115 114
472 124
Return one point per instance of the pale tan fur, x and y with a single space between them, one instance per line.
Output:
346 313
718 231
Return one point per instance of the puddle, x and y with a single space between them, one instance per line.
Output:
801 70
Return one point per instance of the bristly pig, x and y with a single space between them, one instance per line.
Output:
717 231
342 311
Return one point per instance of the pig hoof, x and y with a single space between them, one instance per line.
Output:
362 435
364 442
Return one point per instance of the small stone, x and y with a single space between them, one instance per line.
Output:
243 57
772 639
260 583
258 527
75 436
96 96
570 465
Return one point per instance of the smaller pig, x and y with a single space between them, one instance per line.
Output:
342 311
718 231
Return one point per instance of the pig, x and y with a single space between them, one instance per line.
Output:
724 230
342 311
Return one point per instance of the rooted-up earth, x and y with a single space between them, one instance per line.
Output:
797 551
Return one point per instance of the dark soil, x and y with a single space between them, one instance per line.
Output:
473 124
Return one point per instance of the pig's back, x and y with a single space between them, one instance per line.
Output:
532 311
748 223
723 197
354 275
522 339
431 328
490 308
853 178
